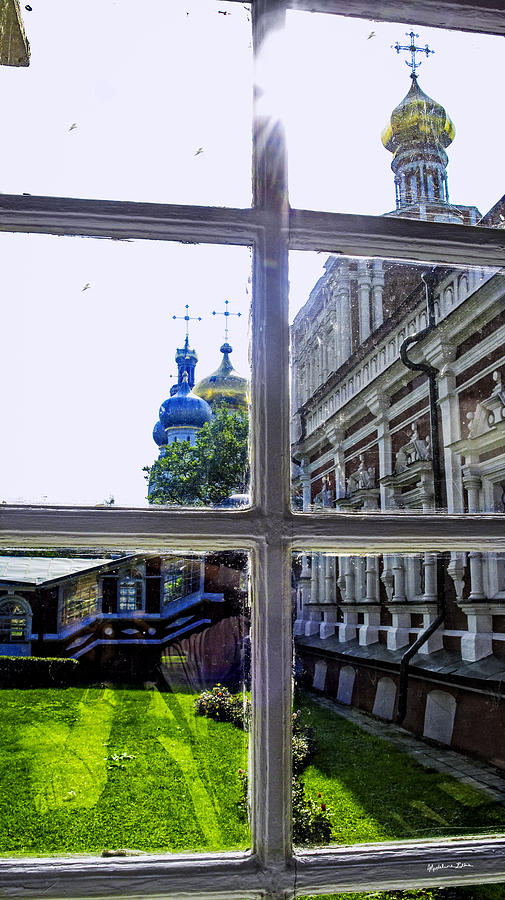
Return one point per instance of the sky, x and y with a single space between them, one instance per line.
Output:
159 110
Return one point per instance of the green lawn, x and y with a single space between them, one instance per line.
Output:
86 770
108 768
375 792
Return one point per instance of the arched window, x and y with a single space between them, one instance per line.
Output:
15 620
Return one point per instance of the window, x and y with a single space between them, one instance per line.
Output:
80 600
130 595
269 530
181 577
15 615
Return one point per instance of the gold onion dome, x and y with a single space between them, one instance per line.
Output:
417 119
225 384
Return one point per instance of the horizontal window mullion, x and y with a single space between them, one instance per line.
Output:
402 865
396 533
396 238
486 16
139 528
200 876
127 220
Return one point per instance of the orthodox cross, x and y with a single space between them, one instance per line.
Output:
187 318
412 49
226 313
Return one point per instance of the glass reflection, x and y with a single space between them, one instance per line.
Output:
400 664
397 394
124 710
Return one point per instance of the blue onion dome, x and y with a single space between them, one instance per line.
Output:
159 435
417 119
225 384
184 408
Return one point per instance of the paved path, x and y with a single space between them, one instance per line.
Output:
472 772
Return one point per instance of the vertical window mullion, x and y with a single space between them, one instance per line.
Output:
271 744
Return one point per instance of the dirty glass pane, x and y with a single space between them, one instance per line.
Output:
98 352
130 103
353 114
399 707
123 730
397 394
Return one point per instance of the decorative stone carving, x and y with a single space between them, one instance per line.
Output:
324 499
415 450
362 479
456 570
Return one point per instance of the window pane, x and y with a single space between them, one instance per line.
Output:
97 353
344 141
379 755
130 105
123 726
385 420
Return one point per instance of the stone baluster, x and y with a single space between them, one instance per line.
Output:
398 579
369 631
330 609
476 577
398 634
430 578
314 621
371 579
303 612
347 629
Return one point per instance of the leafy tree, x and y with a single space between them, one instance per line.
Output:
206 473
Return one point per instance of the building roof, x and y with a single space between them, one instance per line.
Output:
36 570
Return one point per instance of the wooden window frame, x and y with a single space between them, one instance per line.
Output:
269 530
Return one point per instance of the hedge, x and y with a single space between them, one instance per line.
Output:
37 671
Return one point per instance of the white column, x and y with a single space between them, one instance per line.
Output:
377 291
364 285
347 630
344 300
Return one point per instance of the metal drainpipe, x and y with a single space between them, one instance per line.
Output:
428 279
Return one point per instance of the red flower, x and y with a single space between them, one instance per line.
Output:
323 807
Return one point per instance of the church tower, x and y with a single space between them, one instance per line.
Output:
418 134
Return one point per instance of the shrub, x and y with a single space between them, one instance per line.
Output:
304 745
311 820
221 705
37 671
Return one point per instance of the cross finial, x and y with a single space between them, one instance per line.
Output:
187 318
412 49
226 313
